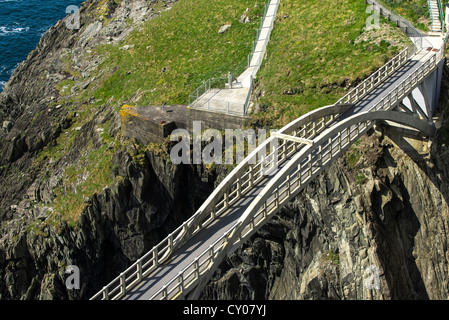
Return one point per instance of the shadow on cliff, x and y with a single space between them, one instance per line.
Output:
396 229
403 234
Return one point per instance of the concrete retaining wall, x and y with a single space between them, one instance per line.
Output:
214 120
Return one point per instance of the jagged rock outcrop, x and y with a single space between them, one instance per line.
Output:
119 225
323 244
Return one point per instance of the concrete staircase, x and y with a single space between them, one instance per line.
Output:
434 15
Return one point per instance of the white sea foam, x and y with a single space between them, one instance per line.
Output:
7 30
2 85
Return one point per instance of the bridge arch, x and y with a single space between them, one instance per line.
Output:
303 167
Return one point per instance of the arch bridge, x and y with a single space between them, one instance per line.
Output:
404 91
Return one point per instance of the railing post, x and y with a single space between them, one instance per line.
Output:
251 176
264 210
320 155
155 257
284 150
196 266
310 165
122 282
180 282
164 292
139 269
239 188
213 213
276 195
170 241
211 251
105 293
225 199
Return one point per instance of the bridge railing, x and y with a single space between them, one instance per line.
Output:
190 275
377 77
315 158
256 166
305 167
309 162
212 83
236 184
406 26
407 85
138 270
259 30
441 14
216 105
306 170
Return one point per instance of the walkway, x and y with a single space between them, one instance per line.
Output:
234 99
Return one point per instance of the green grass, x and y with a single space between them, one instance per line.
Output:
184 42
415 11
83 179
360 179
65 87
352 157
313 56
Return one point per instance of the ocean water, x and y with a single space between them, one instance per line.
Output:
22 24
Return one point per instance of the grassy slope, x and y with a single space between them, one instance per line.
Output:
184 41
313 54
415 11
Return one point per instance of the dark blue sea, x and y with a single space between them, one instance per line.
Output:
22 23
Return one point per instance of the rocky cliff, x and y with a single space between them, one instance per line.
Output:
75 192
128 198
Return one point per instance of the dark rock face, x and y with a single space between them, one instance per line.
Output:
119 225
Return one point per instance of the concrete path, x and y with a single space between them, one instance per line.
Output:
231 100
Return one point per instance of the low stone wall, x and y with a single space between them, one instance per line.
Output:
214 120
149 124
155 123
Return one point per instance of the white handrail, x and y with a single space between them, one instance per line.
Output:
376 78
